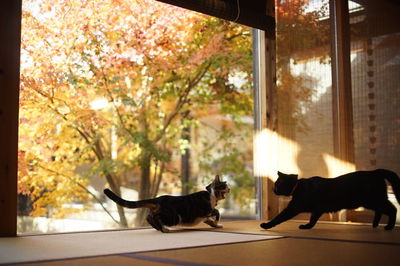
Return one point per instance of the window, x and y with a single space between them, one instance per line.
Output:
129 95
375 81
305 139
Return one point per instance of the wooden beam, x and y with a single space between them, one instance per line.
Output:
341 81
10 32
249 12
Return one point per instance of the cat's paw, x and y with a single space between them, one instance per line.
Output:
213 223
266 225
389 227
165 230
305 226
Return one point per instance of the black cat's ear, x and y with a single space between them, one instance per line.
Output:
279 173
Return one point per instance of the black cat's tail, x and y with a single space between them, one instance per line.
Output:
151 204
394 181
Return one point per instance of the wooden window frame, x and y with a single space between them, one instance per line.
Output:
265 108
342 108
10 39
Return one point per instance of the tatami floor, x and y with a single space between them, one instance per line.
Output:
326 244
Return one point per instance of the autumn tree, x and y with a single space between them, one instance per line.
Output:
107 86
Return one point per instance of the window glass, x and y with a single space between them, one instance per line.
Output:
304 88
304 93
375 68
142 97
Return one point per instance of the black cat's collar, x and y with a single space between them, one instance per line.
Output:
294 188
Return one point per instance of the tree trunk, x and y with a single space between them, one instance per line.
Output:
117 190
122 218
144 192
185 163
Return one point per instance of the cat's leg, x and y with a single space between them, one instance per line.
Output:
313 220
158 224
390 210
377 218
288 213
214 222
155 222
216 214
150 220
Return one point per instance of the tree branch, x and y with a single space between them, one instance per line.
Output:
82 187
183 99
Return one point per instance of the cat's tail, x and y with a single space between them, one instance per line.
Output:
130 204
394 181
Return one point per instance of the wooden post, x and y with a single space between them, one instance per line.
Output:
259 118
10 32
265 111
271 109
341 81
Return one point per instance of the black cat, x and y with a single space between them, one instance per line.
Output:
185 210
319 195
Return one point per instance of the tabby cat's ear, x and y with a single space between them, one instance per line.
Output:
216 179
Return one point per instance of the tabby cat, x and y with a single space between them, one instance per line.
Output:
319 195
185 210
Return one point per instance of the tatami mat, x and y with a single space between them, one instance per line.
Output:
288 252
65 246
322 230
113 260
327 244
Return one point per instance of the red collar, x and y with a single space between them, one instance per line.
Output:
294 188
